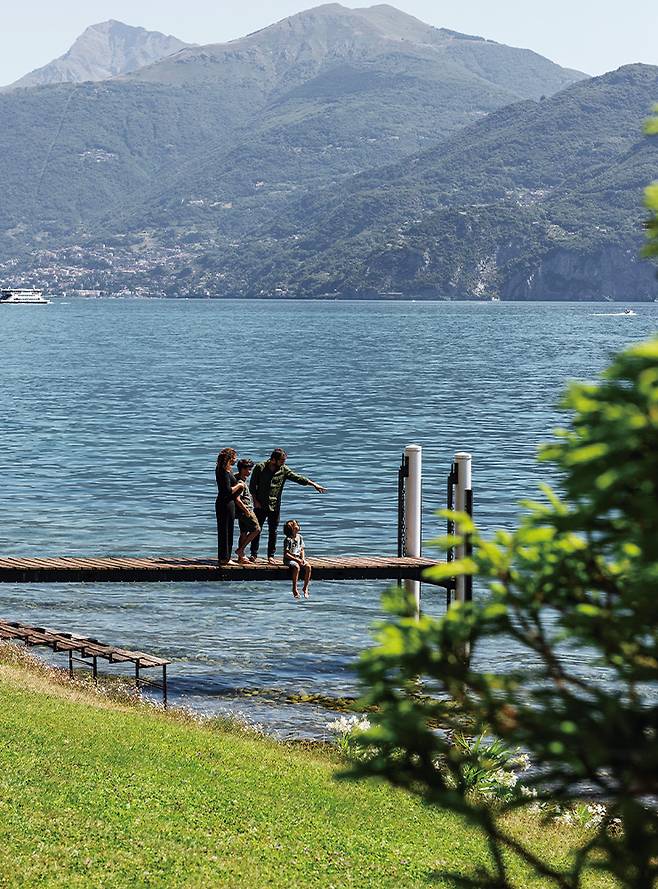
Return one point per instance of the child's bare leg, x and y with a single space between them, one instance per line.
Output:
245 539
248 537
240 548
307 579
294 569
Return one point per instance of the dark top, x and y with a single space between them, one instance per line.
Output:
225 482
266 485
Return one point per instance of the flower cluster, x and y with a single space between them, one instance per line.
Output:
345 725
348 729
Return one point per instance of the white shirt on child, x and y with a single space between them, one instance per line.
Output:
293 546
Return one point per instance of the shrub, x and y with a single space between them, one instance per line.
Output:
575 591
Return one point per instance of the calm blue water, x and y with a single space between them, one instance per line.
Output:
113 413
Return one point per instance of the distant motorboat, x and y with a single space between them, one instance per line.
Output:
627 313
24 296
495 299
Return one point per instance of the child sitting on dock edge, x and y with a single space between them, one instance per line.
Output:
249 524
294 557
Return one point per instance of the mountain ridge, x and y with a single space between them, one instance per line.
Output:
506 206
342 33
307 101
342 152
102 51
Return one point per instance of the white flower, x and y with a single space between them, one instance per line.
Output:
522 761
505 778
528 792
348 724
597 813
341 726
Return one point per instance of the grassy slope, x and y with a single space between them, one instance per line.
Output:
94 793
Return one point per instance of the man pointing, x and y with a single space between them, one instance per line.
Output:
266 486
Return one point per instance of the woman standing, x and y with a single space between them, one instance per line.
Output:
227 489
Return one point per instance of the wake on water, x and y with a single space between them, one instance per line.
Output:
613 314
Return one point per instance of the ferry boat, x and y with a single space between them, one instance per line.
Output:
26 296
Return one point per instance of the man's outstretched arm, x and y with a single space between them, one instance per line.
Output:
302 480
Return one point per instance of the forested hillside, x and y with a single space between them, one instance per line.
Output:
336 153
539 200
231 132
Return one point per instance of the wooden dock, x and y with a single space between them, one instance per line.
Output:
85 650
166 570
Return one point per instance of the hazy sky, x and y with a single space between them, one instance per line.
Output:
591 35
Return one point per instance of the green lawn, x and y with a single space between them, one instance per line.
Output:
97 794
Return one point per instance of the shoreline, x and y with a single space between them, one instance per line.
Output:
351 298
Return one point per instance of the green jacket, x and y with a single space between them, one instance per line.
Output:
266 486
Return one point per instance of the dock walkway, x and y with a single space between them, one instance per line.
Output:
162 569
85 650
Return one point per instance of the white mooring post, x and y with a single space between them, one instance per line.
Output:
463 503
413 505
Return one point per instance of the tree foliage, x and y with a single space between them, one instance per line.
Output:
573 591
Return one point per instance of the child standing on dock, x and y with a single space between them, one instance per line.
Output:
249 524
294 557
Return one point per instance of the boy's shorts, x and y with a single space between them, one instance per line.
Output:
248 522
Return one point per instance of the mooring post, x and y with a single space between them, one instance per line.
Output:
463 503
413 505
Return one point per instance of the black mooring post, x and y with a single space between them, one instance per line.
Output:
164 686
403 473
450 528
70 663
450 525
94 668
137 675
468 587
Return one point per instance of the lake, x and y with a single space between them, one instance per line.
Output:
114 411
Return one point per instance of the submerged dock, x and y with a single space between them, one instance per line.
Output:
162 569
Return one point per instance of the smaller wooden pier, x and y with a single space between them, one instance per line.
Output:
181 570
85 650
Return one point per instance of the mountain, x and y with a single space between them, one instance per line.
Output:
103 51
540 200
294 51
214 140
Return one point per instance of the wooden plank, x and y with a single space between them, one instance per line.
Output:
38 636
72 642
162 569
20 563
16 562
